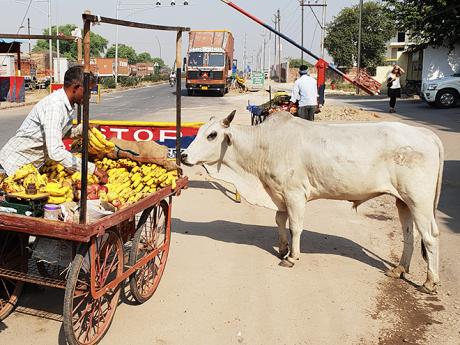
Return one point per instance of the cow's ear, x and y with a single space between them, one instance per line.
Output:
228 137
226 122
212 118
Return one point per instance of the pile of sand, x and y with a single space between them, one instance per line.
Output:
345 113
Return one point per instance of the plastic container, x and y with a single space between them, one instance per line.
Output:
52 212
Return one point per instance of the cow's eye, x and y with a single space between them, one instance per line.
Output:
212 136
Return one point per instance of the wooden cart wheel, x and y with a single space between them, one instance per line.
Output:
153 232
13 256
86 319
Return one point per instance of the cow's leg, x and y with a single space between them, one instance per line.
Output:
407 224
426 225
296 208
281 219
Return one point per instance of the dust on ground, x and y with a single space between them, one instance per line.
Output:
345 113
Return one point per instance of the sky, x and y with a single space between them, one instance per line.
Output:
199 14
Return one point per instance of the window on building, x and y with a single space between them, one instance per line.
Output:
401 37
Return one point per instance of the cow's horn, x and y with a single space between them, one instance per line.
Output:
226 122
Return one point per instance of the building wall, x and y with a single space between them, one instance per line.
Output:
439 62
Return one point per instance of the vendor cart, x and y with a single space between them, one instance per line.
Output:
132 244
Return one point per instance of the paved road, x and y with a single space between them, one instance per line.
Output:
153 103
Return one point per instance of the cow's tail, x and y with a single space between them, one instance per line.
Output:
440 171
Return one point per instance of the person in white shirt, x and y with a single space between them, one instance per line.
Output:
305 92
394 85
40 136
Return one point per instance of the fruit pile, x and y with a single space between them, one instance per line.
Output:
98 144
130 181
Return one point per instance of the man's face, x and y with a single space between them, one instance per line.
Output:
78 92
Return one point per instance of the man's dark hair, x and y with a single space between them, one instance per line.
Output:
74 75
303 69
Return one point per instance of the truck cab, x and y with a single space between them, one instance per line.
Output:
209 62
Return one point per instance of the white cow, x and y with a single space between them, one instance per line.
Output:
286 161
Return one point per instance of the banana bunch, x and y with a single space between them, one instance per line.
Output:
55 171
129 181
76 177
59 193
98 144
24 177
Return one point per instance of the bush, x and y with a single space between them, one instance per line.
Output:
154 77
129 81
107 83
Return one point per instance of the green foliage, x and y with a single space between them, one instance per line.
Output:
107 82
342 35
124 51
129 81
159 61
68 49
144 57
296 63
428 22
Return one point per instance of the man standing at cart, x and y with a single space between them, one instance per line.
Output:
305 92
40 136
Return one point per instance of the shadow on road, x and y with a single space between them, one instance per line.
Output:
266 237
450 201
409 109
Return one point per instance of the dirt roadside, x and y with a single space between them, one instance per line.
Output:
223 284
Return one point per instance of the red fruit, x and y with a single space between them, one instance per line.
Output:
103 189
92 196
116 203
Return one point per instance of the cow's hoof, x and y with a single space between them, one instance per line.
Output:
283 254
396 272
286 263
430 288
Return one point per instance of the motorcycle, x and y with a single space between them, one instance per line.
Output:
172 81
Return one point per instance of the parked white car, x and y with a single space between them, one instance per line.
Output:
442 92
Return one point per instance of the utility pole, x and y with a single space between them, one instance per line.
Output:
116 46
28 31
322 23
323 28
279 46
359 41
244 57
58 64
50 42
275 21
302 3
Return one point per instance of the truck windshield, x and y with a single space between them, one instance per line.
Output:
216 60
195 59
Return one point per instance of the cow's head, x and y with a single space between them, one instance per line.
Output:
210 143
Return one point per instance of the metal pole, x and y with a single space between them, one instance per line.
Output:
244 57
80 60
323 28
85 130
50 42
178 95
301 33
116 47
159 44
269 58
359 42
28 31
57 46
279 47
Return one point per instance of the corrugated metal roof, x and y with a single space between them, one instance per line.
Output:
6 40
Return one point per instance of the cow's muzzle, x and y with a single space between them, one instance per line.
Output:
184 160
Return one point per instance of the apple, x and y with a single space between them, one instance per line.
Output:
116 203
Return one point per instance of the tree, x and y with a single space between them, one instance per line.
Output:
144 57
124 51
68 49
428 22
341 39
296 63
159 61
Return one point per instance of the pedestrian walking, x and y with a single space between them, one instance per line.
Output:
394 86
305 92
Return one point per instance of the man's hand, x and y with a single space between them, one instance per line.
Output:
101 175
